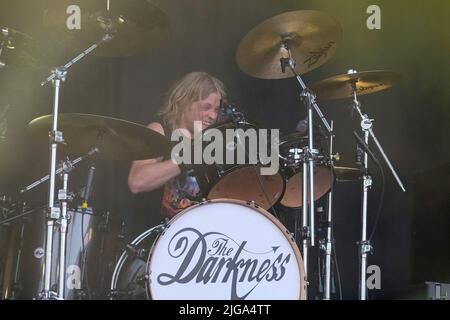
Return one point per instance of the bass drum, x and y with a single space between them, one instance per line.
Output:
217 250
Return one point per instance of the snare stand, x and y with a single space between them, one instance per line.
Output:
309 157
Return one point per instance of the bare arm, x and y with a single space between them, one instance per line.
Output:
148 175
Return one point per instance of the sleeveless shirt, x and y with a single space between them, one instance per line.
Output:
181 191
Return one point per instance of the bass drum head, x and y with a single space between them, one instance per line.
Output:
217 250
222 250
225 250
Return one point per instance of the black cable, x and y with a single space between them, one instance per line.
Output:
337 269
380 203
84 274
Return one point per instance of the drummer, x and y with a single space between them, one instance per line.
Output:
196 96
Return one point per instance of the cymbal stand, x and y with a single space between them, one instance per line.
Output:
66 164
309 156
55 138
327 245
365 246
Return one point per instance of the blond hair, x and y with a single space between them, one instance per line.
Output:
190 88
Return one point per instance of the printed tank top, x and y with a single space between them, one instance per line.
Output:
181 191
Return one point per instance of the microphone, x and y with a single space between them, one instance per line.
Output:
87 191
360 142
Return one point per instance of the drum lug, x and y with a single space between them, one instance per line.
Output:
143 279
252 203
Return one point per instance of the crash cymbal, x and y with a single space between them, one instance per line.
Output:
139 25
312 37
19 49
116 139
340 86
343 174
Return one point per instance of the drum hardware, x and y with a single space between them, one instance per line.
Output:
309 158
129 23
56 138
366 128
97 129
329 238
66 166
276 44
351 85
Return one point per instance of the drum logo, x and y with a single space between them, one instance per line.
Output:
214 257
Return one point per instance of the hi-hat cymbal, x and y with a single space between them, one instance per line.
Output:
116 139
312 38
343 174
19 49
340 86
140 26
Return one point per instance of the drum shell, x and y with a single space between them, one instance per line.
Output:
23 277
239 181
291 168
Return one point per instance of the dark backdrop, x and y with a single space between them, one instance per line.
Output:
411 243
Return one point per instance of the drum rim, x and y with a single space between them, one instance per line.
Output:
281 227
233 169
287 178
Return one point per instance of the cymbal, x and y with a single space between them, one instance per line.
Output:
343 174
139 25
19 49
116 139
340 86
312 37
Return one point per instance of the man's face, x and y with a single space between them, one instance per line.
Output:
206 111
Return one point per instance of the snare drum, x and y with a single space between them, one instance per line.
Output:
239 181
291 152
217 250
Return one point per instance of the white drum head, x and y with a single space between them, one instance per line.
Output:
226 249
